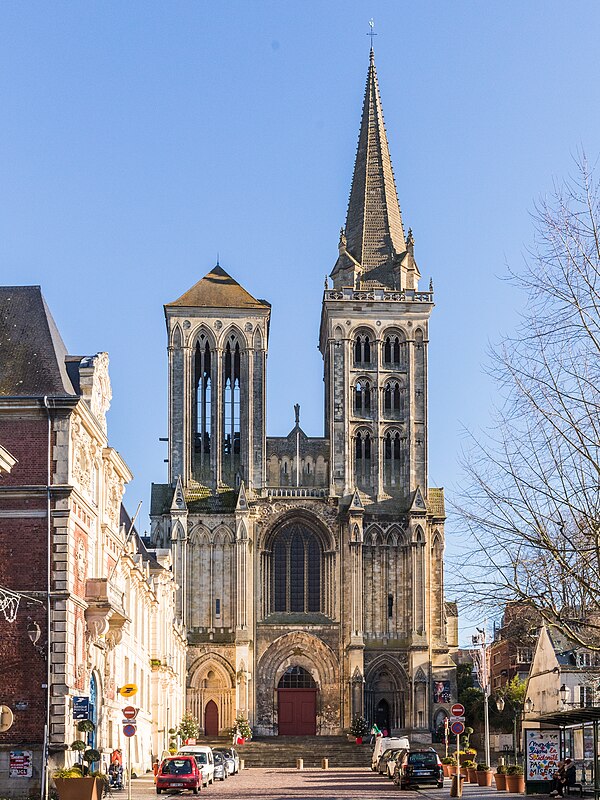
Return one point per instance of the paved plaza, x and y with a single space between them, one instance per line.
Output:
290 784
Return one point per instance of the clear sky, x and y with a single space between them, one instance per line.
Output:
140 139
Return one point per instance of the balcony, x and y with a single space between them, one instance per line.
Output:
276 492
105 614
378 295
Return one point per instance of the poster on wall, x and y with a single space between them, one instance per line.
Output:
441 692
542 753
20 764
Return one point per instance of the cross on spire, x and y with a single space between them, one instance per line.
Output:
371 33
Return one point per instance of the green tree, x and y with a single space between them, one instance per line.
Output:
188 727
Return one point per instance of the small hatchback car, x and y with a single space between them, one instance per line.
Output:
419 768
180 773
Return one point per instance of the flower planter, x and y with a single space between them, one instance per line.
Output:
452 770
484 778
78 788
472 775
515 784
445 770
500 779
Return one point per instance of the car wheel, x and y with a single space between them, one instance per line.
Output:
158 791
440 785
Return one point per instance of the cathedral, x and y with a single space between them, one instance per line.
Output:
310 568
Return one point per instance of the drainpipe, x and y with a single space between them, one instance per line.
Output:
44 781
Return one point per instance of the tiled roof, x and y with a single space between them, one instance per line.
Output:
435 502
32 352
218 290
198 498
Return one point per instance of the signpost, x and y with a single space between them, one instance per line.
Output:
457 727
457 710
81 707
129 727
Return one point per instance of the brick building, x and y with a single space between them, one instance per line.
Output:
87 608
511 653
311 567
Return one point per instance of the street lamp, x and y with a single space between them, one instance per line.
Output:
34 632
500 703
563 694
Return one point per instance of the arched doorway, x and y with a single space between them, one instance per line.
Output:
382 716
297 703
211 719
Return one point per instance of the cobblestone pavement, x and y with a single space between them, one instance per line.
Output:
292 784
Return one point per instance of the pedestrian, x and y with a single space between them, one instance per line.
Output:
155 768
560 779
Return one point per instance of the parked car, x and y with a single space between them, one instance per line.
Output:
179 772
233 759
419 768
391 761
384 758
221 771
204 758
383 743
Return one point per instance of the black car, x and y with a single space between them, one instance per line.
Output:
419 768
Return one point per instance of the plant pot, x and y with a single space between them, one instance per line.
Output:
445 770
484 778
500 778
78 788
515 784
471 774
463 772
452 770
358 740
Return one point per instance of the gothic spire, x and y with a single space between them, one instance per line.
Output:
374 234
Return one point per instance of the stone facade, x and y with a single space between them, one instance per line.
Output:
103 614
311 568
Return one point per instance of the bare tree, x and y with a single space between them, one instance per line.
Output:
531 498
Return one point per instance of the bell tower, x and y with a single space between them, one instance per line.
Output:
217 385
374 332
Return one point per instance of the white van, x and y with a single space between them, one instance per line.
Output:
382 743
204 759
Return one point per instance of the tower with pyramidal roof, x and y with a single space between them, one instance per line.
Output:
310 568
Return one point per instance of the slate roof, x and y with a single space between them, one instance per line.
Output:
32 352
374 231
197 498
218 290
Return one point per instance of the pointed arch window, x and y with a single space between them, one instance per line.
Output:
362 458
393 351
203 408
392 397
362 349
392 459
362 397
297 557
231 409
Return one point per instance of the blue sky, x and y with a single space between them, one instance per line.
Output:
140 139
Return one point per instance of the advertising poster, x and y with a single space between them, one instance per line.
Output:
441 692
542 752
20 764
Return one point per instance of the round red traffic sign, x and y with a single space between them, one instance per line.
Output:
129 730
457 710
458 728
129 712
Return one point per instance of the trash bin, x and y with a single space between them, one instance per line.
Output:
456 786
299 763
325 763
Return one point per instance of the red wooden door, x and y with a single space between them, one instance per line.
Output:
297 712
211 719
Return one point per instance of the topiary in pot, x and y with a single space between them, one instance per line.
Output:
484 775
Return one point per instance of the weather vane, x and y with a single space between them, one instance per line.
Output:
371 33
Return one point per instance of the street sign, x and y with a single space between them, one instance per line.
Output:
457 710
129 712
81 708
457 728
129 729
128 690
456 719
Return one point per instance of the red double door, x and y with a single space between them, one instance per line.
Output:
297 712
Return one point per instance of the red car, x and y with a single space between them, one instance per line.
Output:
180 773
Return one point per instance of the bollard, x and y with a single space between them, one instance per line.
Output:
242 764
299 763
325 763
456 787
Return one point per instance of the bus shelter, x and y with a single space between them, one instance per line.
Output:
574 734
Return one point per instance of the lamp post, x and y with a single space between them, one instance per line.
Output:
480 641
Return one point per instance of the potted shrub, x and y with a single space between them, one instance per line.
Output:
470 753
359 728
500 778
189 729
448 762
72 785
484 775
515 779
470 767
241 730
451 765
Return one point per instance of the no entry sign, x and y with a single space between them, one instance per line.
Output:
457 710
129 712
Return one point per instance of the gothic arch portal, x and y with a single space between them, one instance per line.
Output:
298 649
212 681
386 693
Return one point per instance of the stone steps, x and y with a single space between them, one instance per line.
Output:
282 751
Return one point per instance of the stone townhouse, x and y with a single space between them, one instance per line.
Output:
311 567
86 607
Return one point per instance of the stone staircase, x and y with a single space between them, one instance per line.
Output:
282 751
